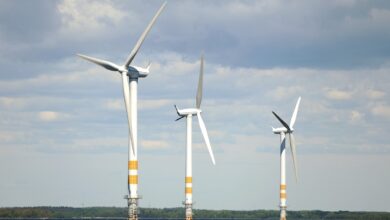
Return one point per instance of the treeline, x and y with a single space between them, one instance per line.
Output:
178 213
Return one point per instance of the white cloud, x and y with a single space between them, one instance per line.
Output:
154 144
381 110
175 64
6 136
11 102
256 72
84 78
356 116
118 104
283 92
48 116
374 94
336 94
88 15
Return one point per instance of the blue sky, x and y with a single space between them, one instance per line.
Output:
63 131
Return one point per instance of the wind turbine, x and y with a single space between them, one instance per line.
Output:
188 113
286 129
130 75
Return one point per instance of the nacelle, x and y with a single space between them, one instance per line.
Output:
188 111
137 72
279 130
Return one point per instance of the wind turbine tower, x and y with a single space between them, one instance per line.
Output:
282 131
130 75
188 113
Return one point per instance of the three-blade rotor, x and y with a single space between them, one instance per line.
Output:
123 70
196 111
289 131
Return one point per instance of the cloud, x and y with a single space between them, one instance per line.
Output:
379 15
175 64
356 116
149 104
374 94
6 136
331 40
154 144
337 61
88 16
48 116
85 96
381 110
27 23
336 94
11 102
282 92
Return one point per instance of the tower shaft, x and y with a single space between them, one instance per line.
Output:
283 176
133 159
188 174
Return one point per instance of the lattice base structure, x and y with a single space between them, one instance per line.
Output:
188 209
283 214
133 208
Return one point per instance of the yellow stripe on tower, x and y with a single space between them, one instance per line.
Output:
133 164
133 179
188 179
282 195
282 187
188 190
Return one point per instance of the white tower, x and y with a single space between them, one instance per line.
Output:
282 131
188 113
130 75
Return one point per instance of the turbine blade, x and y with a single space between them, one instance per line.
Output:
179 118
148 66
143 36
177 110
281 121
104 63
126 95
294 155
205 136
200 84
294 115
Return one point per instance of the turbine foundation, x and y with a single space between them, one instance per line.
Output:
133 208
188 209
283 214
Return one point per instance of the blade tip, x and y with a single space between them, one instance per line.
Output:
82 56
163 5
213 159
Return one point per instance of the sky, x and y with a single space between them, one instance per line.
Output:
63 130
